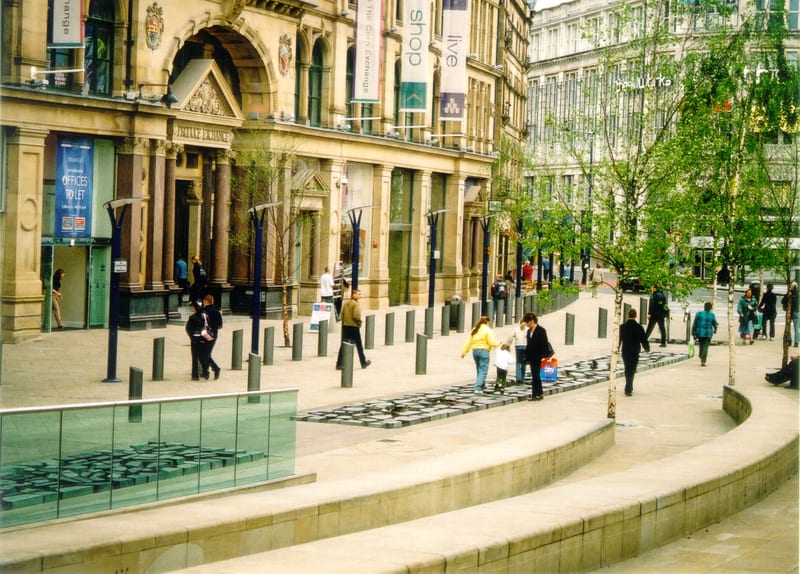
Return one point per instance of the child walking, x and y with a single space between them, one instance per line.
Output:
502 360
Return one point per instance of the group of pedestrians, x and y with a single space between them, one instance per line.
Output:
203 328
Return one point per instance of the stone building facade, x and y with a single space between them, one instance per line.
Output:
158 102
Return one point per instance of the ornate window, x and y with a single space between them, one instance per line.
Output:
99 37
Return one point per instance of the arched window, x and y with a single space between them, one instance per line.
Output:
315 86
98 43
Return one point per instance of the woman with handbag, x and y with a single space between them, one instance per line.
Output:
197 331
537 348
747 316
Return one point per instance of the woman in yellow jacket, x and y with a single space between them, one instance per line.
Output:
481 341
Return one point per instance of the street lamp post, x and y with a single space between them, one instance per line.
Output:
118 266
587 251
257 214
354 215
485 266
433 222
520 229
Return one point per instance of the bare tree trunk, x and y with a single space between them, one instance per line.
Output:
285 316
612 375
732 333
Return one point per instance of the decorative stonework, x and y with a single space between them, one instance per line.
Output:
284 54
206 100
129 145
237 8
173 150
154 26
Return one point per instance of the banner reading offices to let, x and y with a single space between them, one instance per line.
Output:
366 85
67 24
74 175
415 69
455 25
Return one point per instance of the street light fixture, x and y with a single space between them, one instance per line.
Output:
433 221
257 214
167 99
485 266
354 215
118 266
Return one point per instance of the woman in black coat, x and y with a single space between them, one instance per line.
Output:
194 328
631 338
536 348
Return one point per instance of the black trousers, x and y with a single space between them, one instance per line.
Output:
199 355
536 379
352 335
630 362
651 325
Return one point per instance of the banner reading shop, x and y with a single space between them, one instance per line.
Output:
415 70
455 19
74 170
367 75
67 24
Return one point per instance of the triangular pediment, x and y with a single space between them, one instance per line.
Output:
201 89
309 182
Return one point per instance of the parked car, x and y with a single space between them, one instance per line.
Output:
633 284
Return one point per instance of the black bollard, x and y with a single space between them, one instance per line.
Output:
446 319
429 322
322 339
158 359
269 345
369 332
410 326
253 377
422 354
602 323
297 342
136 376
236 350
569 333
389 329
347 364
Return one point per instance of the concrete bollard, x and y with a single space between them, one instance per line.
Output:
297 342
489 312
236 351
347 364
389 329
429 322
136 376
462 311
687 317
602 323
569 333
422 354
322 339
253 377
269 346
625 308
1 362
500 313
369 332
158 359
510 303
518 304
446 320
410 319
642 311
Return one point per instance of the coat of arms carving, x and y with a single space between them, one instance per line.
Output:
154 25
284 54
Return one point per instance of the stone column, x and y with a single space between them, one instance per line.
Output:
168 255
222 197
22 239
130 154
155 216
315 268
239 252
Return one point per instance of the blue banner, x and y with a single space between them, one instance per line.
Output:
74 173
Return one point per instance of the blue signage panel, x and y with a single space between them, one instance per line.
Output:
74 171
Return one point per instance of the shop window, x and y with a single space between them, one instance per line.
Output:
99 36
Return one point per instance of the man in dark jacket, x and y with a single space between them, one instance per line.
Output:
657 311
194 328
769 309
214 319
351 329
536 349
631 338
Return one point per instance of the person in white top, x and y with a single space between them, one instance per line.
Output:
520 342
502 360
326 286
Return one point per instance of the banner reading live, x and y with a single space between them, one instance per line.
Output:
367 75
455 22
67 24
415 68
74 171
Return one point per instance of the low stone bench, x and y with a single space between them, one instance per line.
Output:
576 527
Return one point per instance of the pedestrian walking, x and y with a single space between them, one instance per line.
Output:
703 328
481 341
595 278
195 327
326 286
502 360
769 311
351 329
790 305
632 338
499 291
519 341
657 311
200 278
214 325
537 348
746 309
55 304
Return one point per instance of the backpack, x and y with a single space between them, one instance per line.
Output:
500 290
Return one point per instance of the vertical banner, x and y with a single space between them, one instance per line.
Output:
74 172
67 24
455 23
415 69
367 75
